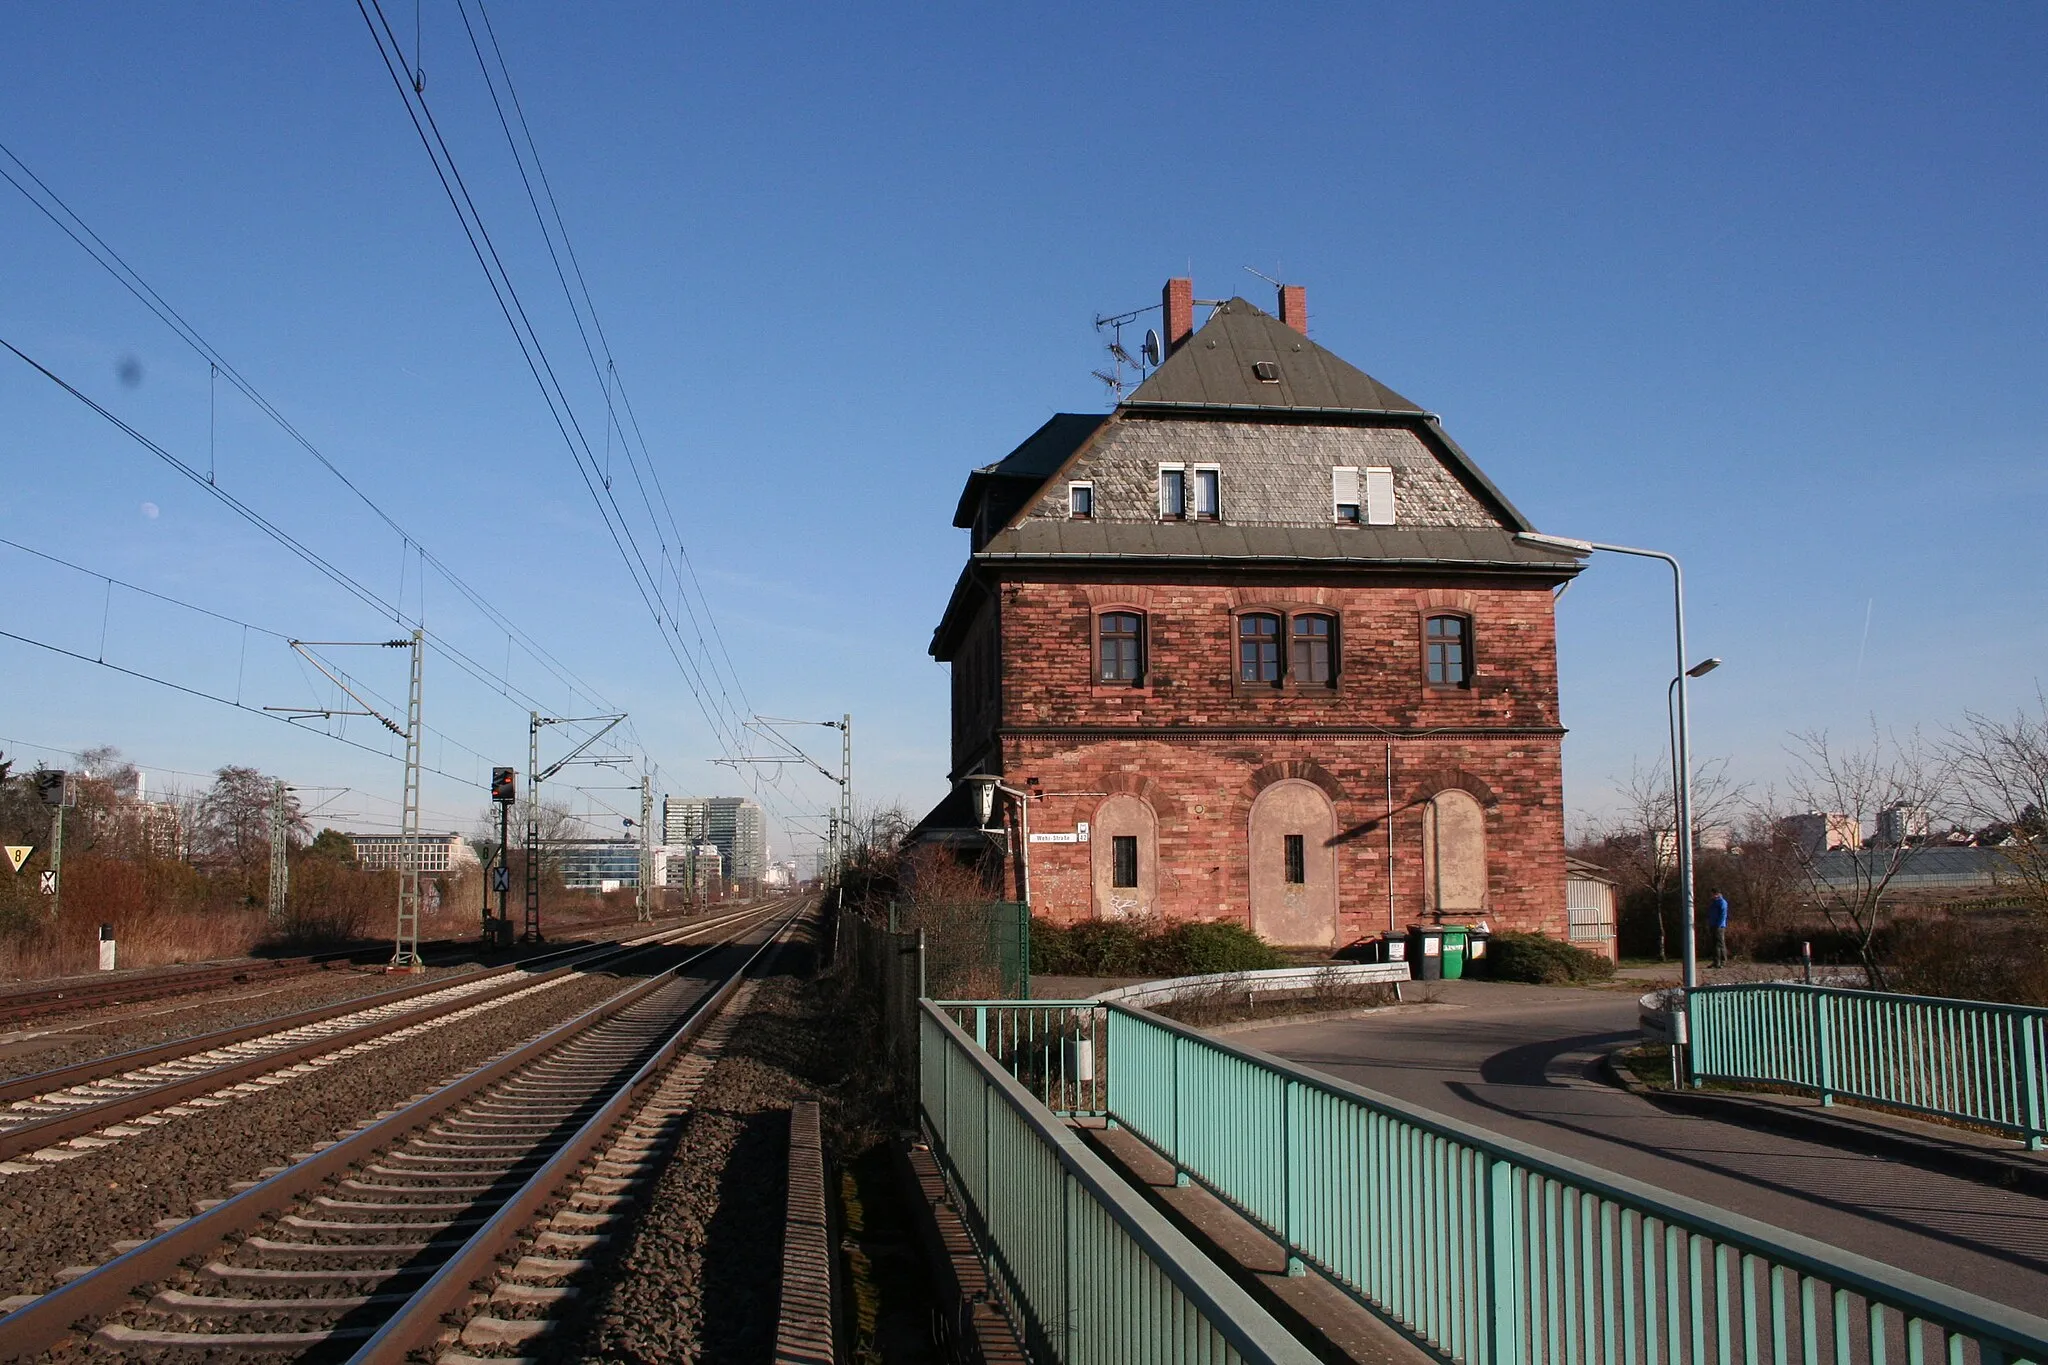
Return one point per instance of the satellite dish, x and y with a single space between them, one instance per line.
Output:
1152 350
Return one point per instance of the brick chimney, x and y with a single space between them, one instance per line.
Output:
1294 307
1178 299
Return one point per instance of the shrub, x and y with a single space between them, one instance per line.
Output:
1135 948
1197 949
1543 961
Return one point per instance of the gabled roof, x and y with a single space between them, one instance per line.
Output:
1035 461
1214 369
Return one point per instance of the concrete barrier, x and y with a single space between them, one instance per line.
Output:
1279 979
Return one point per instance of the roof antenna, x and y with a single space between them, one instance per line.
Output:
1150 352
1264 276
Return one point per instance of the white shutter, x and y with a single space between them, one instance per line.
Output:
1379 497
1343 487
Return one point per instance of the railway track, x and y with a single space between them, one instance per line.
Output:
359 1249
76 1104
26 1003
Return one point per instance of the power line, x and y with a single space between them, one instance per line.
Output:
210 696
88 240
534 352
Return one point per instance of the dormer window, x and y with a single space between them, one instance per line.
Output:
1268 371
1208 493
1081 501
1344 498
1173 492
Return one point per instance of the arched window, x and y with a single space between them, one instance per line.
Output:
1120 648
1312 658
1123 857
1447 647
1258 648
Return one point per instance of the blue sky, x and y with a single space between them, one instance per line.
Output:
1760 286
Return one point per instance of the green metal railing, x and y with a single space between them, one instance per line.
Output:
1056 1049
1955 1059
1091 1273
1490 1251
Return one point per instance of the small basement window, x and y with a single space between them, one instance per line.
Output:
1081 501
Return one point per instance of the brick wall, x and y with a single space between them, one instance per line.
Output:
1048 657
1208 747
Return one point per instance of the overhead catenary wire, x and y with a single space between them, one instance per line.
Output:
224 618
531 348
708 691
82 234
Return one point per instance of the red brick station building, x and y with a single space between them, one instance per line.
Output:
1260 645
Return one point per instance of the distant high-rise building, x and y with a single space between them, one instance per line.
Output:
1817 832
1902 824
732 824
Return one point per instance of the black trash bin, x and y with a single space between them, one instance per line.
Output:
1426 952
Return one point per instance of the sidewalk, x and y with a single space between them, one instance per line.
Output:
1983 1157
1531 1063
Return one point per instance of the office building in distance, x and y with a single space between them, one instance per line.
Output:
732 824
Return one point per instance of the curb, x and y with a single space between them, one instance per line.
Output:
2007 1171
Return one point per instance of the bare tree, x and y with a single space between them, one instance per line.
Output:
2001 778
103 763
233 826
1640 842
1858 782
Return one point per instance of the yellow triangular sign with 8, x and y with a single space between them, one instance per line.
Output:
18 854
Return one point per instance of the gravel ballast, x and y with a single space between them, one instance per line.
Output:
73 1212
700 1276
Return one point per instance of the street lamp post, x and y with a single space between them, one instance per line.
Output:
1682 779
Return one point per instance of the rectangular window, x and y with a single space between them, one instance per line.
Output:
1297 861
1258 648
1208 493
1379 497
1123 850
1080 501
1120 647
1173 492
1309 658
1448 641
1344 493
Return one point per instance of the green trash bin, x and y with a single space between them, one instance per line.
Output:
1455 939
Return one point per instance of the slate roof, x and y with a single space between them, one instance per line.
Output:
1466 547
1036 460
1213 368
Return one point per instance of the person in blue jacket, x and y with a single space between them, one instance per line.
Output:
1717 917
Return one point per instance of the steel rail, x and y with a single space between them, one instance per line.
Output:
43 1132
417 1324
100 1068
35 1327
38 1001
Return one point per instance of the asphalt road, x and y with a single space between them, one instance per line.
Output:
1524 1061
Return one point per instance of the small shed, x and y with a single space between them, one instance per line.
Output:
1589 895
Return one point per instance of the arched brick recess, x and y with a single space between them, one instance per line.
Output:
1300 769
1431 781
1131 784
